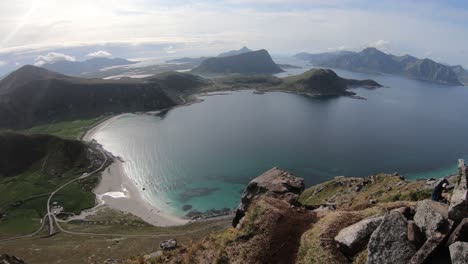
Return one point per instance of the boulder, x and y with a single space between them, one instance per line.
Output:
354 238
460 233
459 202
431 216
7 259
273 183
406 211
459 252
169 244
415 235
322 211
389 243
428 249
152 255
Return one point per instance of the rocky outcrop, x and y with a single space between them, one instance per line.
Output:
459 202
274 183
460 233
415 235
354 238
459 252
7 259
428 249
431 217
169 244
389 243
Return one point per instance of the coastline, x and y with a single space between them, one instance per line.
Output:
117 191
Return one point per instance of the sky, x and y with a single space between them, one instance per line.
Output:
42 31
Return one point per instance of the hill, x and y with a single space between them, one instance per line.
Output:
235 52
374 60
324 82
255 62
462 74
29 99
78 68
51 154
321 57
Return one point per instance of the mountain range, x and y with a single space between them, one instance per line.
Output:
33 95
78 68
254 62
376 61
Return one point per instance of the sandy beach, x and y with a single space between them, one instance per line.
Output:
117 191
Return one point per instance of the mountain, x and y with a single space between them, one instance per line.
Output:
374 60
188 60
33 95
77 68
430 70
461 73
235 52
255 62
324 82
321 57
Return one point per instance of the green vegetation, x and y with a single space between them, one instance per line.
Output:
24 197
65 129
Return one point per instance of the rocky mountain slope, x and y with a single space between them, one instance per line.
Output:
377 219
78 68
374 60
255 62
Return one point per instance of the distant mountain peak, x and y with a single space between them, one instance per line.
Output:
26 74
244 49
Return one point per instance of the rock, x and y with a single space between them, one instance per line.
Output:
460 233
406 211
354 238
428 249
372 201
113 261
7 259
431 216
459 202
168 244
319 189
415 235
152 255
322 211
273 183
459 252
430 181
389 243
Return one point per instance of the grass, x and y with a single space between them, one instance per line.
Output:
65 129
28 192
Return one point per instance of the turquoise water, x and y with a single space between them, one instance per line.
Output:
202 155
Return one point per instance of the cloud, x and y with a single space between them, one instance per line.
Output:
52 57
379 44
3 63
99 54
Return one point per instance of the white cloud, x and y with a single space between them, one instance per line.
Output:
379 44
99 54
52 57
3 63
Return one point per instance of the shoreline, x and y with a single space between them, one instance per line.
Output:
117 191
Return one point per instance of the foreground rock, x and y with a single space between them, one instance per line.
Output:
431 217
7 259
274 183
460 233
168 244
389 243
429 248
354 238
459 252
459 202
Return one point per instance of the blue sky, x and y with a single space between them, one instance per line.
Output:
138 29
